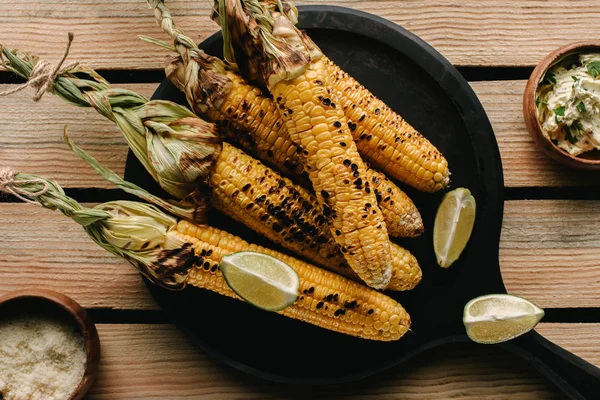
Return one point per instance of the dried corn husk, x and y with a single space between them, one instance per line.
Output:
187 208
204 81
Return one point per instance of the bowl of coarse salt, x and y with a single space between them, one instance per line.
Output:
49 347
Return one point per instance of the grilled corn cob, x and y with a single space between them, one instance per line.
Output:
242 187
383 137
297 79
337 173
250 119
325 300
174 254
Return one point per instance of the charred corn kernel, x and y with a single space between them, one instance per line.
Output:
253 194
273 206
325 299
340 181
251 120
385 139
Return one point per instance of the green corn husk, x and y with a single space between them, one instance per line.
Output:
176 147
137 232
191 208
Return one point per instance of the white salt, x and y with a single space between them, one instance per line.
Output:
41 358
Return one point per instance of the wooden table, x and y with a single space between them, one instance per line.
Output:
550 247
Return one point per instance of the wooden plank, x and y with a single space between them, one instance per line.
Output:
157 362
32 138
549 254
43 248
472 32
580 339
37 146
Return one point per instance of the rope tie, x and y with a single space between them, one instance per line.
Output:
7 185
43 75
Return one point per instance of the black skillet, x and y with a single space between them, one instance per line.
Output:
410 76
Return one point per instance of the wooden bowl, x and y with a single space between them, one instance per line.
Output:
589 160
53 300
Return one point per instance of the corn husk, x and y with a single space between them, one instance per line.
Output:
268 46
192 208
137 232
205 83
177 148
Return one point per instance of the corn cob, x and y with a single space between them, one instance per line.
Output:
297 79
250 119
242 187
385 139
326 300
173 254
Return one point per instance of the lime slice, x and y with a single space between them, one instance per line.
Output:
260 279
496 318
453 225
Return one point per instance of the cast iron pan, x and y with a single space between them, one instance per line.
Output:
412 77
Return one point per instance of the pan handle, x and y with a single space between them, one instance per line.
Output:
575 377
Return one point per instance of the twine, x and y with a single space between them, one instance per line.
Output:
7 185
43 75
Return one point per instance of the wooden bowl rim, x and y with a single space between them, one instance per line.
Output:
83 322
530 110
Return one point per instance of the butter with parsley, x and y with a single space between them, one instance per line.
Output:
568 103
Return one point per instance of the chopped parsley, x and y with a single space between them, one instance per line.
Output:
569 136
577 125
550 77
581 107
560 111
575 78
594 68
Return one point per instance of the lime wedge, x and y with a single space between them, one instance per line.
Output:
260 279
453 225
496 318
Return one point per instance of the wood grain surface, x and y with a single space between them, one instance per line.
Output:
471 32
38 146
549 246
174 369
549 253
